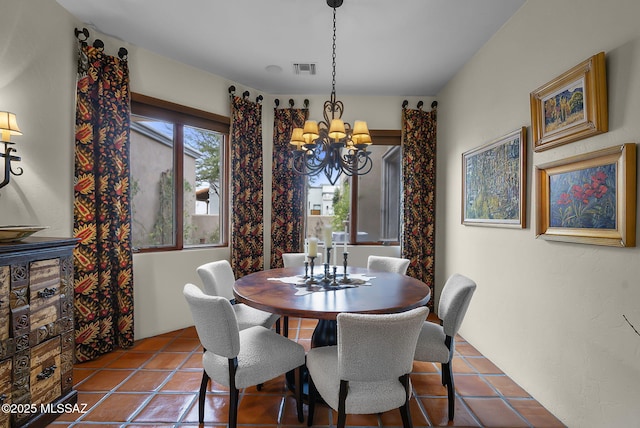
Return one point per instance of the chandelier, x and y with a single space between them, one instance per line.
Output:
332 146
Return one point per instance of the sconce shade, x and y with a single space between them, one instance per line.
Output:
8 126
337 131
311 130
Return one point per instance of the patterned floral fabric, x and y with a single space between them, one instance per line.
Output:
247 252
102 213
288 189
418 199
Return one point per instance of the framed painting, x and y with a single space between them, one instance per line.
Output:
589 198
572 106
493 182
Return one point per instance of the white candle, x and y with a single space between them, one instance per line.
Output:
328 236
345 238
312 248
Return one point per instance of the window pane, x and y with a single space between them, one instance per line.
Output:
202 184
152 172
379 197
327 205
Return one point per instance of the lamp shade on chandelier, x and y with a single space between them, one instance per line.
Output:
332 146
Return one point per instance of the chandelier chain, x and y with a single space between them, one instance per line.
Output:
333 57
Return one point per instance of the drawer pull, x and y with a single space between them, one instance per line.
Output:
47 373
2 398
47 292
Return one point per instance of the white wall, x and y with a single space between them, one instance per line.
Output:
547 313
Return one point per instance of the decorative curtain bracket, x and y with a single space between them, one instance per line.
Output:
405 103
292 103
232 90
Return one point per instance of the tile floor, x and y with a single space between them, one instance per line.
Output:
155 383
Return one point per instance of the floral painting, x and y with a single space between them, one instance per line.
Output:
584 198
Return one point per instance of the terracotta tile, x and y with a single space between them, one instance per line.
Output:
183 381
393 418
174 333
116 408
88 425
86 401
537 415
473 385
494 412
167 360
101 361
506 386
467 350
131 360
438 412
80 374
321 415
483 365
189 332
273 386
216 410
424 367
165 408
306 344
194 362
259 409
289 415
305 334
180 344
144 380
294 324
307 323
428 384
103 380
460 366
357 420
155 343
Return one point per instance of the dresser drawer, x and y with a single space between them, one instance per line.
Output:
45 371
44 292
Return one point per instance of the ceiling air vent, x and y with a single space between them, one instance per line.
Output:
304 68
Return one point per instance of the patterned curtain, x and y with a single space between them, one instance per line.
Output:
102 211
247 251
419 190
287 198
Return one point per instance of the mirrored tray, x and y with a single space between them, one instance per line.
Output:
16 233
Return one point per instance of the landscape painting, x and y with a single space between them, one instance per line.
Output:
494 184
565 108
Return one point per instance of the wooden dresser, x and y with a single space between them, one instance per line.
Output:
36 330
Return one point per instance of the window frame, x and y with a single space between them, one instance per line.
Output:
382 137
181 116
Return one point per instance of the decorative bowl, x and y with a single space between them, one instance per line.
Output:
16 233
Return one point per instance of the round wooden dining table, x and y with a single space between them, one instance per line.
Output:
384 293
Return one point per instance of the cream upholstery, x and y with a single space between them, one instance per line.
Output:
436 342
368 370
218 278
388 264
238 358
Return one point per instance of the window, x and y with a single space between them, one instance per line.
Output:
178 175
368 204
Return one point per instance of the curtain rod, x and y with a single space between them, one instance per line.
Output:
97 43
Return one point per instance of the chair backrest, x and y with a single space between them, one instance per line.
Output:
215 321
217 278
377 347
454 302
388 264
298 259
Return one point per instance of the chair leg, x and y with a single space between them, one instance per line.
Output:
312 401
342 403
233 407
405 410
451 392
299 394
202 396
285 326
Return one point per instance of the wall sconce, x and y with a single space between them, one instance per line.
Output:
9 127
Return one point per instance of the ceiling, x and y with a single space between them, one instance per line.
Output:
383 47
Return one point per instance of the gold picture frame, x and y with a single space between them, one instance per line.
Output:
589 198
572 106
494 182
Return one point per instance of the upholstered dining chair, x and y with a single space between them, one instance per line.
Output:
239 358
295 260
436 343
388 264
368 370
218 278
